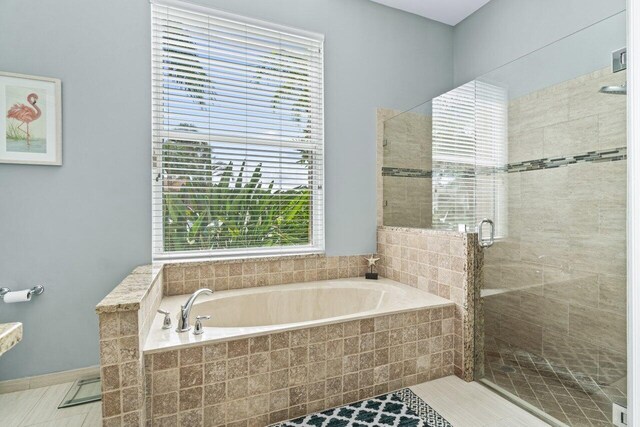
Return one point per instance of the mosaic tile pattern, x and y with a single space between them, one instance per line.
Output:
608 155
406 172
570 397
271 378
186 278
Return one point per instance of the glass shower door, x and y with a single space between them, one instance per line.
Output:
554 287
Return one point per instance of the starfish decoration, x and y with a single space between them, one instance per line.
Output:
372 261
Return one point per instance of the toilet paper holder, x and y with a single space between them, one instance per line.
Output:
36 290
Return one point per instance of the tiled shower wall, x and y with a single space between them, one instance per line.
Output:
444 263
563 262
406 170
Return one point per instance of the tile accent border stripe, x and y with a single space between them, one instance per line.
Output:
406 172
607 155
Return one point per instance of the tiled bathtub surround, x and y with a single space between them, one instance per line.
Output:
265 379
125 315
185 278
444 263
124 318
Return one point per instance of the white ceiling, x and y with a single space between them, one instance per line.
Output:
448 11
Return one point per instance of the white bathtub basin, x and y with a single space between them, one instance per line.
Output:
256 311
284 304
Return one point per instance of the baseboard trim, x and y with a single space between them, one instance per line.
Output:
45 380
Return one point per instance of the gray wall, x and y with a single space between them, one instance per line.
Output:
504 30
81 227
573 56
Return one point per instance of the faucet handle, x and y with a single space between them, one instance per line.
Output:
166 324
198 329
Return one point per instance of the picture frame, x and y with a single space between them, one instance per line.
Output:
31 121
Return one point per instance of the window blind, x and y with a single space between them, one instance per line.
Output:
470 157
238 144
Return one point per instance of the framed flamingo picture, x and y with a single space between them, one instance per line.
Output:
31 122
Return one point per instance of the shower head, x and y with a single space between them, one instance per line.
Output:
614 90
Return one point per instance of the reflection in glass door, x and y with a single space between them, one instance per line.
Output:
554 292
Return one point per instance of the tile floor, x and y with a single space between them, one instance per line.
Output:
473 405
39 407
463 404
570 397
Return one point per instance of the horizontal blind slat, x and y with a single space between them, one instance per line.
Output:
188 17
469 156
237 135
223 49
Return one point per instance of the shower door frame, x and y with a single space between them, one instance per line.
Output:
633 214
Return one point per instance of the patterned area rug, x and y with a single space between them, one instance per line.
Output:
399 409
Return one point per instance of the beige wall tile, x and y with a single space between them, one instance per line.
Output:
224 275
305 370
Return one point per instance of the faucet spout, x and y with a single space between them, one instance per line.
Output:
185 310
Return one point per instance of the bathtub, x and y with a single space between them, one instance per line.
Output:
257 311
279 352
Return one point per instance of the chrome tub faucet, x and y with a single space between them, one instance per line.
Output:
185 310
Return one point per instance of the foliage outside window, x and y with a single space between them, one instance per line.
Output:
237 135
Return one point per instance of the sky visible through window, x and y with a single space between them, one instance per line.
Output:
255 83
237 132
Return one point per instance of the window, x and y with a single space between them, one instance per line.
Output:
470 157
238 144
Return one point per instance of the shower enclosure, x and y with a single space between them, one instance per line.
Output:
539 147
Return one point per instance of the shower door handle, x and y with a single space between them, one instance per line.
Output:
481 240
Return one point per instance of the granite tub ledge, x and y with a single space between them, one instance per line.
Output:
10 335
131 291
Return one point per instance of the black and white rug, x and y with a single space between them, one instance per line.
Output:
398 409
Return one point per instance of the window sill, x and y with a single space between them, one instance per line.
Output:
237 255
